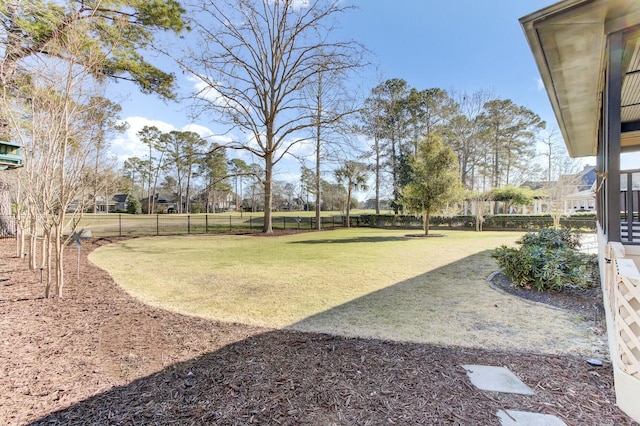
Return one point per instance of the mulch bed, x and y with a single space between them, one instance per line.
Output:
98 356
586 302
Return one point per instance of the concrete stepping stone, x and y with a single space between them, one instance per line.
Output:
523 418
496 379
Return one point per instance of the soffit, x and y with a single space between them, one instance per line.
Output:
568 41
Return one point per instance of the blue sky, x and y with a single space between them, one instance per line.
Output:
464 45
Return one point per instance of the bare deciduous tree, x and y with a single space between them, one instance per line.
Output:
32 31
55 116
333 105
254 61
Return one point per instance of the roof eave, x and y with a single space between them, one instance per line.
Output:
544 20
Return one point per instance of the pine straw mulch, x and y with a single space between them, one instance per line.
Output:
98 356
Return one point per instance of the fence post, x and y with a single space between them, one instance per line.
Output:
284 223
206 223
120 224
230 229
157 224
250 224
188 224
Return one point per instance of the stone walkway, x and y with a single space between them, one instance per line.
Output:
501 379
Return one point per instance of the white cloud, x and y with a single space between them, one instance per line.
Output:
204 90
296 4
303 149
290 177
300 4
540 84
203 131
129 144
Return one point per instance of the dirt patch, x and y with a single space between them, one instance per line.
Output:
99 356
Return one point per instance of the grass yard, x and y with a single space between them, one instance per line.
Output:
357 282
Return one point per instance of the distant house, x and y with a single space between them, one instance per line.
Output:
579 191
119 202
162 202
102 203
571 193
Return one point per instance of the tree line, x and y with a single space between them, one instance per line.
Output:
204 179
493 139
271 73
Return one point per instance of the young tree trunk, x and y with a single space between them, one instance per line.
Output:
426 215
479 218
43 251
394 176
19 241
33 245
188 195
59 254
47 289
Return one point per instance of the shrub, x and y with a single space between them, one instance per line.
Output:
134 206
551 239
548 260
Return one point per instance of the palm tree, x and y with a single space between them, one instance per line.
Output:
353 175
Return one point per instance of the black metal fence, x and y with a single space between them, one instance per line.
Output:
103 225
169 224
492 222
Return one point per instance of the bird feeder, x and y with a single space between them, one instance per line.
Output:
10 155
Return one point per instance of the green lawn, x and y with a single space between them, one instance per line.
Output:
365 282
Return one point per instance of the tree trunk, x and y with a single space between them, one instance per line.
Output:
426 215
318 141
317 182
43 250
19 241
59 249
377 148
33 246
47 289
394 176
188 190
268 174
348 208
479 218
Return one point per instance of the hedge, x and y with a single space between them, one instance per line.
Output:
583 222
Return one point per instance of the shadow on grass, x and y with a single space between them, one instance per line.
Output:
294 377
451 305
376 239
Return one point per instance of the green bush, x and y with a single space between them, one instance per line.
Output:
491 222
551 239
133 206
548 260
